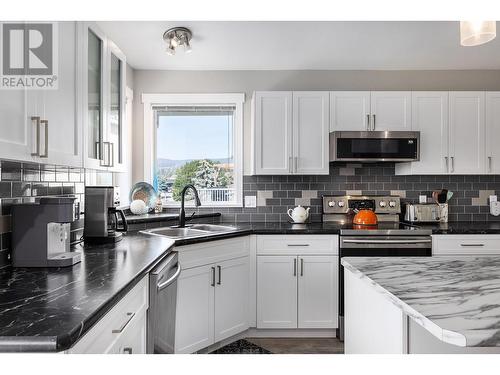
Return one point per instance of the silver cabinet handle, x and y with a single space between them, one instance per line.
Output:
130 316
446 163
452 164
295 267
367 122
37 135
489 163
213 277
46 153
301 266
111 154
127 350
109 161
472 244
296 164
290 164
219 269
373 126
297 245
174 277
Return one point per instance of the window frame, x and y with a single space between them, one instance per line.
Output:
230 99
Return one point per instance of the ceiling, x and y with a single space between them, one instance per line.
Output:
346 45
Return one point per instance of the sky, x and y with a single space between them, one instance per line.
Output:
193 137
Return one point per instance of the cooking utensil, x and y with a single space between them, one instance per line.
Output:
365 217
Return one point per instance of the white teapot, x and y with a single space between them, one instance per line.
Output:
299 214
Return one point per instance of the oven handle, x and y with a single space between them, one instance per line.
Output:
386 241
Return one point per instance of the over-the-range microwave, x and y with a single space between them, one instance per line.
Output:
373 146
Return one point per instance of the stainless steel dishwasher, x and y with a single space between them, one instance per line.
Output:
162 301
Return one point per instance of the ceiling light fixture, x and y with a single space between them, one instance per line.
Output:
177 36
475 33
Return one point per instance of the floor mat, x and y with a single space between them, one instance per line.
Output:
241 347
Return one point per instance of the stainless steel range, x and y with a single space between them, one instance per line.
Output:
389 238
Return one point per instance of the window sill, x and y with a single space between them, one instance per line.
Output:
207 205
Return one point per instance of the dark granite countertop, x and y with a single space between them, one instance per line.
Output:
464 227
49 309
153 218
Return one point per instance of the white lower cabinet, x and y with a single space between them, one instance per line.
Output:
122 330
276 291
212 293
318 291
464 245
194 326
297 282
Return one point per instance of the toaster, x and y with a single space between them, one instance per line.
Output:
426 213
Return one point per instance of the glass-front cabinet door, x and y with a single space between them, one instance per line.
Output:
94 53
116 109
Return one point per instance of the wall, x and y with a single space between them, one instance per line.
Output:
277 194
146 81
24 182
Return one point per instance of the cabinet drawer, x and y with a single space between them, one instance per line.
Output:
297 244
213 252
106 335
484 244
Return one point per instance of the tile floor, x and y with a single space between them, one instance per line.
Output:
300 345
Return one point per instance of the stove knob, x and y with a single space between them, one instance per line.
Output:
383 204
392 204
331 204
341 204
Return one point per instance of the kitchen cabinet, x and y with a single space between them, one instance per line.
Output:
430 118
297 281
467 132
317 291
212 294
122 330
276 291
350 110
463 245
310 132
390 110
103 100
290 132
492 132
43 125
368 111
195 309
272 132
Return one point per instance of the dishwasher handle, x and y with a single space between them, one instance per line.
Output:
409 242
168 282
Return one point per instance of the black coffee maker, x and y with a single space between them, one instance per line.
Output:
101 221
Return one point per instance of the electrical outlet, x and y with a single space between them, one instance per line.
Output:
250 201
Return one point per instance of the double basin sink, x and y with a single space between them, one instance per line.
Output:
190 231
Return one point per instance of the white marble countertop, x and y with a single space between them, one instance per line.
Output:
457 299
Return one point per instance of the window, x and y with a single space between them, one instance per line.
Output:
200 144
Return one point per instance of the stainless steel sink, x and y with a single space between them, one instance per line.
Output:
195 230
212 228
176 232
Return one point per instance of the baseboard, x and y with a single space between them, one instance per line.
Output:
284 333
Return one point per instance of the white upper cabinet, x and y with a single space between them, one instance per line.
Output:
290 132
467 132
272 124
310 132
430 118
390 110
350 110
42 125
116 131
493 132
103 100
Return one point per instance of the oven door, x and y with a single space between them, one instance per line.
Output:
375 146
378 246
